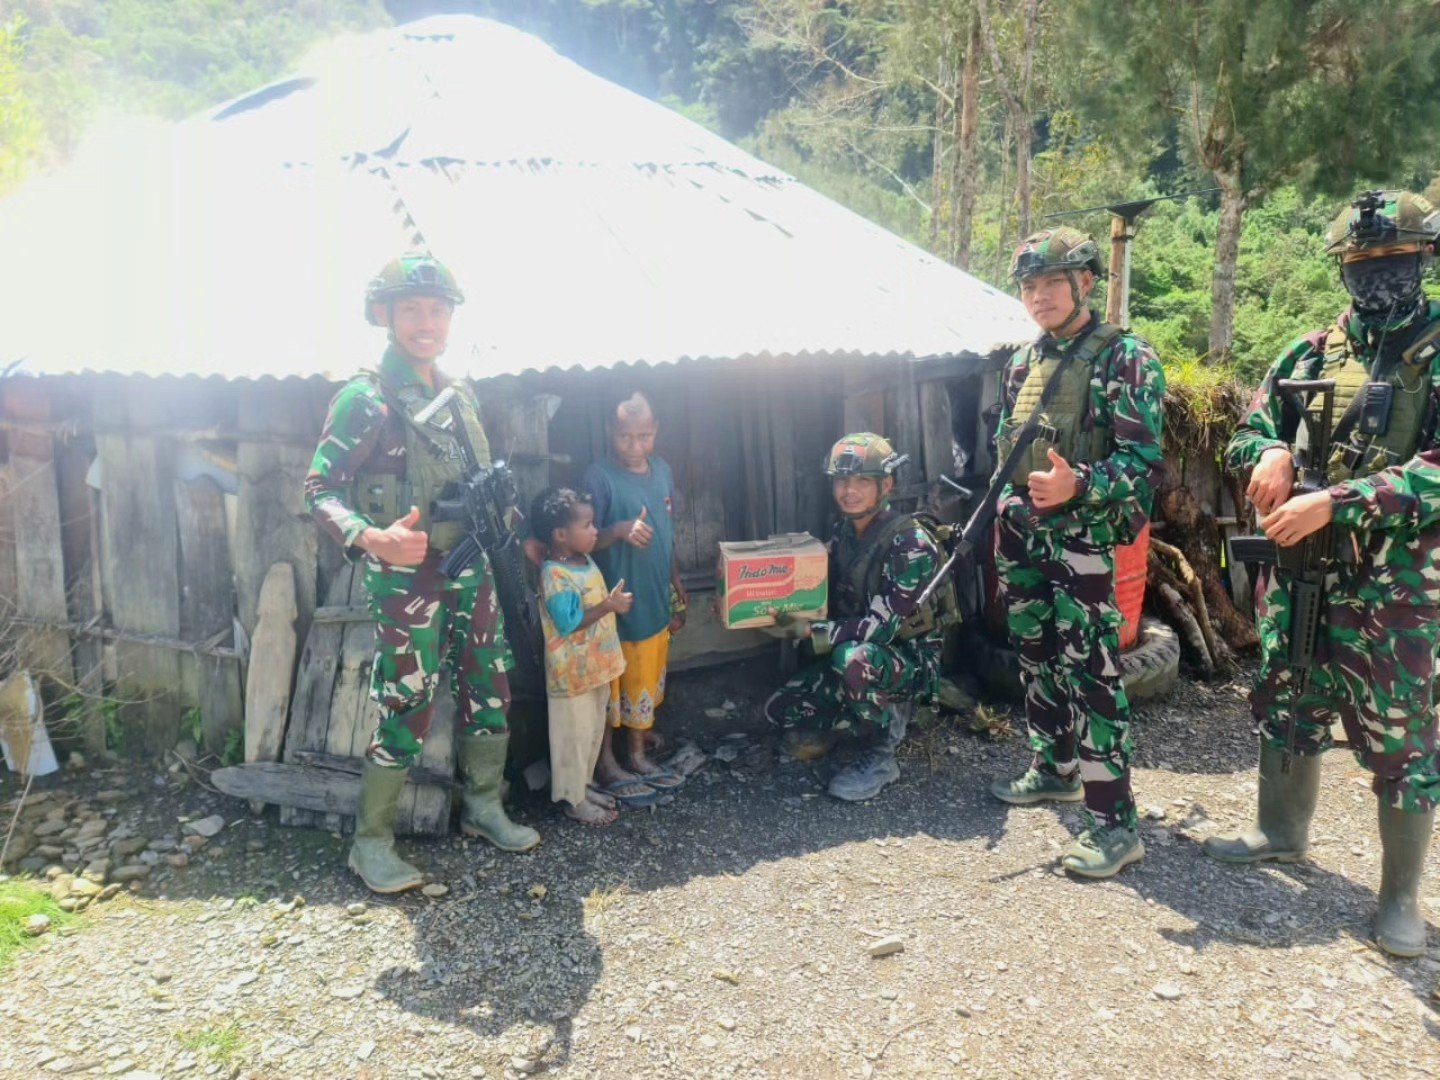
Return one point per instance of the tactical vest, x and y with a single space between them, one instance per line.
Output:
1355 454
863 579
1064 412
433 461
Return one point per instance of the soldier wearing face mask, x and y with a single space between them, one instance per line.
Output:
1375 664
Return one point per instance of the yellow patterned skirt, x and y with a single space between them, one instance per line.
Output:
640 689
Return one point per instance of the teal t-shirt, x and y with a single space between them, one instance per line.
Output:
618 495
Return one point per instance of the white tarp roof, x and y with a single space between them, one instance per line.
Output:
588 226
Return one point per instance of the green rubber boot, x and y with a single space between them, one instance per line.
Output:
482 764
372 852
1037 786
1102 852
1286 804
1404 838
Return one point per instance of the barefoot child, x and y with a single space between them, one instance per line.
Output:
582 652
634 497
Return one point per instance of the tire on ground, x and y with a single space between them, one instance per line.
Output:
1150 669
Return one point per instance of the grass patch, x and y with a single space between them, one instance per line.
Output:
219 1043
19 899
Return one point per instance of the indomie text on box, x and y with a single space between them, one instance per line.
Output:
759 579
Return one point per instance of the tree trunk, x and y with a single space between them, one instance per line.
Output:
937 164
1023 134
1227 254
966 163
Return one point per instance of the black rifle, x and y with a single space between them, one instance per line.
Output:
485 501
963 543
1308 562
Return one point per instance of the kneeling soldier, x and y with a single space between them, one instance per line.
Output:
879 653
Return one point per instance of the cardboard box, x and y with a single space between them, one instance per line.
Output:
759 579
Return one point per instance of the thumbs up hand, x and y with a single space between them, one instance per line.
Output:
619 601
401 544
1055 486
637 532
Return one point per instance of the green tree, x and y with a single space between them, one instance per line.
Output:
20 130
1331 94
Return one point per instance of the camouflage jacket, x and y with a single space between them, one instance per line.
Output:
359 434
909 565
1114 496
1388 510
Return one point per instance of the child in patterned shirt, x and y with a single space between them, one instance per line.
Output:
582 649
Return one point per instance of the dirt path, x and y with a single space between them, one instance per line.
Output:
729 935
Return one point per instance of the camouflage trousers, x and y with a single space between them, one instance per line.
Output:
424 620
1374 671
856 683
1059 595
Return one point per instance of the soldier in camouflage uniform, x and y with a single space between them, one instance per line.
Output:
374 475
1375 665
1085 486
879 652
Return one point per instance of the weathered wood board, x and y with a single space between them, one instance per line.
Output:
271 522
141 560
272 666
34 503
332 715
207 606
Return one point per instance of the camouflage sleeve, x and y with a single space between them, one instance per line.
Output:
1264 425
1403 497
909 566
352 428
1135 390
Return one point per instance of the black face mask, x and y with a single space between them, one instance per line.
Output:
1382 286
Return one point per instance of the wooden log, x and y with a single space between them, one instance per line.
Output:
34 500
1179 615
1197 536
419 774
207 608
330 793
272 663
141 562
1190 589
271 522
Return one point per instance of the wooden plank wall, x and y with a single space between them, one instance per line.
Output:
150 548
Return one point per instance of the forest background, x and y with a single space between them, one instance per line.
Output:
958 124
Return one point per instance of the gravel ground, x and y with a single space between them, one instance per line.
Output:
731 933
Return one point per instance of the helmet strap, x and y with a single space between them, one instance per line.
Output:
1080 312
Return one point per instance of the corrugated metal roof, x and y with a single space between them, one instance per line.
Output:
589 227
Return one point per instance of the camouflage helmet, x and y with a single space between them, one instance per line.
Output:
1050 250
863 454
416 273
1379 218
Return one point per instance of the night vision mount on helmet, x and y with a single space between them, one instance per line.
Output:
863 454
1380 218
